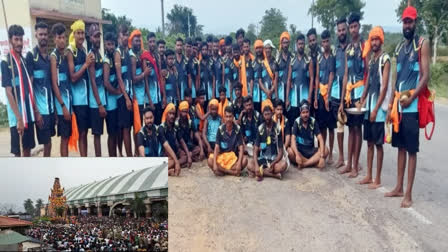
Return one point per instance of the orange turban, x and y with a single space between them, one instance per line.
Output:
168 108
265 103
183 105
213 102
222 42
134 33
285 35
258 43
376 32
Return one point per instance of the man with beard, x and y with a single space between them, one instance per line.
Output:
150 60
114 140
188 133
78 63
161 57
230 73
228 157
374 95
239 36
207 75
21 106
170 78
237 103
236 62
283 61
196 121
245 66
124 103
266 73
209 41
139 71
268 152
147 141
170 139
249 120
217 66
305 130
300 79
355 72
181 67
256 86
325 68
38 62
282 123
97 94
61 87
211 124
191 51
412 79
336 100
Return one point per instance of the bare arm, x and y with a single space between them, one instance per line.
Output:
204 136
117 59
136 78
344 85
311 71
75 76
170 152
317 82
424 75
384 86
288 86
91 70
106 80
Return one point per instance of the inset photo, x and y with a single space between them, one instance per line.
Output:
84 205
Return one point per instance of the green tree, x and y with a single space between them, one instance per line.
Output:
272 24
137 206
116 21
365 30
29 207
3 115
251 33
434 16
39 204
328 11
182 20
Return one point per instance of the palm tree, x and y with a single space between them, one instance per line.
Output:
137 206
29 207
39 204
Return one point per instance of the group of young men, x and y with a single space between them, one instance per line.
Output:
222 102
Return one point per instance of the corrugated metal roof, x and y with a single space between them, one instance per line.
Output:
145 180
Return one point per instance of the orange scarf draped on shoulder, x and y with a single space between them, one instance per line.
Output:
243 74
222 107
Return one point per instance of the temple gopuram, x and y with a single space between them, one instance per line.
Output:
56 201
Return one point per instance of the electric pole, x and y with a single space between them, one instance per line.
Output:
312 16
163 21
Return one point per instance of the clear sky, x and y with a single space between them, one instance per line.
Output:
225 16
33 178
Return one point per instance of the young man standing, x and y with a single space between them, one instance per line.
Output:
97 94
268 151
325 68
114 139
61 87
170 79
228 156
217 66
38 61
181 64
206 73
185 127
21 106
283 61
257 87
246 70
237 63
124 103
161 57
211 125
302 151
78 64
147 141
300 79
230 73
266 73
412 78
336 95
355 72
374 95
150 60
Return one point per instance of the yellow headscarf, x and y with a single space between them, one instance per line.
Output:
213 102
77 25
168 108
184 105
376 32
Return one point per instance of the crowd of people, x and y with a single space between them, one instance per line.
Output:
103 234
221 101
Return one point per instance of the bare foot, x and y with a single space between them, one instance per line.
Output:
365 180
251 174
374 185
278 176
353 174
259 178
406 203
346 169
219 173
394 193
339 164
330 160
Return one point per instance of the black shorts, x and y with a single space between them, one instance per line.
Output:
308 152
82 117
408 135
333 116
212 144
64 127
96 121
322 115
112 122
47 131
354 120
27 139
124 115
374 132
158 113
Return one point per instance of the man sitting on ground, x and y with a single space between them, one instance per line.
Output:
147 142
211 126
228 157
302 151
188 133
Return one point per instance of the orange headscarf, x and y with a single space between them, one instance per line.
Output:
134 33
222 107
376 32
285 35
213 102
258 43
221 42
168 108
184 106
201 112
268 103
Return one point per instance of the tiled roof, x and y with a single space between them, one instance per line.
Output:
6 222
